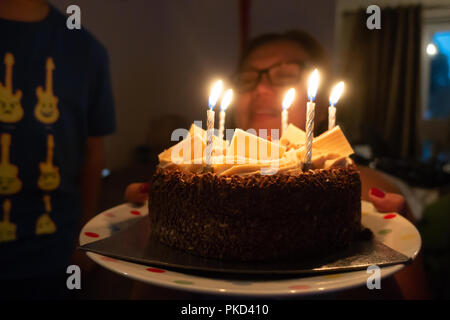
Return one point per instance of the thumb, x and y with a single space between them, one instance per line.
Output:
137 192
387 202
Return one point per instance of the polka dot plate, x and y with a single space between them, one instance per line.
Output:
390 228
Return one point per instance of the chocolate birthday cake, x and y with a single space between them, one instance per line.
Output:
256 206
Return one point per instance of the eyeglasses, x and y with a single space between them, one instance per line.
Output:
281 74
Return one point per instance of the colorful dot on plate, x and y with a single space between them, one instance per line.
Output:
91 234
300 287
155 270
183 282
384 231
109 214
109 259
135 212
389 216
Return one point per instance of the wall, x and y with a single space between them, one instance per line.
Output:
163 58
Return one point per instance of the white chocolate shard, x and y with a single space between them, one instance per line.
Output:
241 169
333 141
293 137
219 145
339 162
185 151
263 167
250 146
165 157
300 153
194 129
291 155
194 144
288 166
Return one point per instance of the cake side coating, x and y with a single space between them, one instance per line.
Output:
256 217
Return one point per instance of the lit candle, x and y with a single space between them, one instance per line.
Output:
213 97
226 100
334 98
313 85
287 101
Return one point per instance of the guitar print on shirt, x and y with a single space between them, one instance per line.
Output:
49 179
7 229
9 180
11 110
46 110
44 224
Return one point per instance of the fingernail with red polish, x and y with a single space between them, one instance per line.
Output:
144 188
377 193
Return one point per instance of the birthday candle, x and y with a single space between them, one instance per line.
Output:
213 97
334 98
226 100
287 101
313 85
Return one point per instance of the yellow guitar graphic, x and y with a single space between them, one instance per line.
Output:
9 182
46 109
7 229
49 179
44 224
10 108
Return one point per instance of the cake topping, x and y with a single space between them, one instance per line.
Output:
293 137
333 141
250 154
250 146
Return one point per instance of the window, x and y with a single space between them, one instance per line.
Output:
435 122
438 50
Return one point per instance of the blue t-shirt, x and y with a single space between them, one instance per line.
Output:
55 91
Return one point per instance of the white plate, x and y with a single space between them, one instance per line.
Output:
391 229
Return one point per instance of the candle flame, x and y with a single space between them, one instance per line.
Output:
313 85
226 100
215 93
336 93
288 98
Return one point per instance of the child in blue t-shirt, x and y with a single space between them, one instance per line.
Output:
56 106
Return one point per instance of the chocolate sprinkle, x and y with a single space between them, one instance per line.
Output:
257 217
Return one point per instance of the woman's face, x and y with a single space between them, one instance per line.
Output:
260 108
